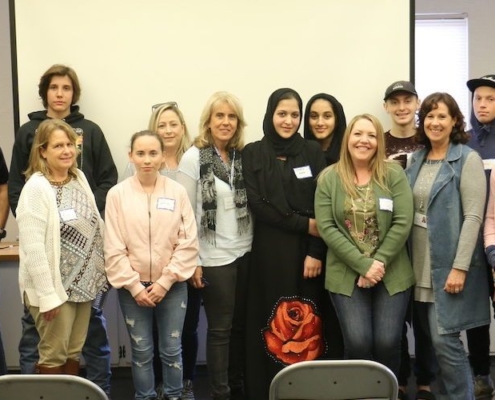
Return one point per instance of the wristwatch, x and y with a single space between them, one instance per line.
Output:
3 233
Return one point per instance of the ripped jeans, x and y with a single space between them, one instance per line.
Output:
170 313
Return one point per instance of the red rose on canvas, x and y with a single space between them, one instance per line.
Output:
294 332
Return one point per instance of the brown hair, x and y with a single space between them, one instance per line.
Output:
458 134
59 70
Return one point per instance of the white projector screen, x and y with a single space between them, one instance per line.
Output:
132 54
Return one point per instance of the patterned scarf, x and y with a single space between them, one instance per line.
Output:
211 166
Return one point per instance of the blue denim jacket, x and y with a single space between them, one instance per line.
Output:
470 308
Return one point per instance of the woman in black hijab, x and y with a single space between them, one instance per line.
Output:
284 323
324 121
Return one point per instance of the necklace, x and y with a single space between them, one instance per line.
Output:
360 234
60 183
425 180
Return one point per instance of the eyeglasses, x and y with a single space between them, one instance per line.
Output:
167 104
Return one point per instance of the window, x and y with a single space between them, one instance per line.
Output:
441 57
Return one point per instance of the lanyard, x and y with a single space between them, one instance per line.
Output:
231 176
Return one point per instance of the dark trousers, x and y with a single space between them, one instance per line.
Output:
479 349
478 339
225 306
425 366
190 333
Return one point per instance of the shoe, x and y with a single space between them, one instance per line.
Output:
160 395
187 390
425 395
483 386
402 395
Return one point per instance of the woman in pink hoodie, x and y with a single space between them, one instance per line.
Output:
151 249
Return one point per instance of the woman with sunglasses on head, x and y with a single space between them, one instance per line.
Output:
150 251
211 171
168 121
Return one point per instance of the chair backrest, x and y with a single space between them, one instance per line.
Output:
49 387
334 380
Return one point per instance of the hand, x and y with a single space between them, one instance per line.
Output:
312 267
143 299
156 292
364 283
455 281
51 314
376 272
313 230
195 280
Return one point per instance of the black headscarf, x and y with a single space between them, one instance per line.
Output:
273 146
281 146
332 154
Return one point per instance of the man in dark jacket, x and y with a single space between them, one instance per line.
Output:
59 90
482 140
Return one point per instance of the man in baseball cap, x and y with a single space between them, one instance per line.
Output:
400 86
483 140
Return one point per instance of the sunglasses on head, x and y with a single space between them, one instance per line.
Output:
167 104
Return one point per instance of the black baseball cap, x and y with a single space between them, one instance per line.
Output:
400 86
487 80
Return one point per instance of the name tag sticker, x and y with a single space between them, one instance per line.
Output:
229 203
420 219
163 203
303 172
68 215
489 163
386 204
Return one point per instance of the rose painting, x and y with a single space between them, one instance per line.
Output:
294 332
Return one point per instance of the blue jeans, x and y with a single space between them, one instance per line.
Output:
225 307
169 314
96 350
455 371
371 322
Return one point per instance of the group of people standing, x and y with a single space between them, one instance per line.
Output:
302 247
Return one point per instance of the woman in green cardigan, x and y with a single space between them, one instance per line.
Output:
364 213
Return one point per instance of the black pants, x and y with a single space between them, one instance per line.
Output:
225 307
425 365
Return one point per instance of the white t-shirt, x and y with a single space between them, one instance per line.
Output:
229 244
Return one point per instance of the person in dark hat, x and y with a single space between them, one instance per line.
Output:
401 102
482 140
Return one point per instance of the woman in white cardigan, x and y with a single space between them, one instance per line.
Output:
60 248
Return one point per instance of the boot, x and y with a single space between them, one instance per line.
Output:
71 367
43 369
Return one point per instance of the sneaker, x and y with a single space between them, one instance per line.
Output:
187 390
483 386
160 395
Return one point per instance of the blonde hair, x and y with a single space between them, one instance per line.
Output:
205 139
41 138
185 141
377 165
